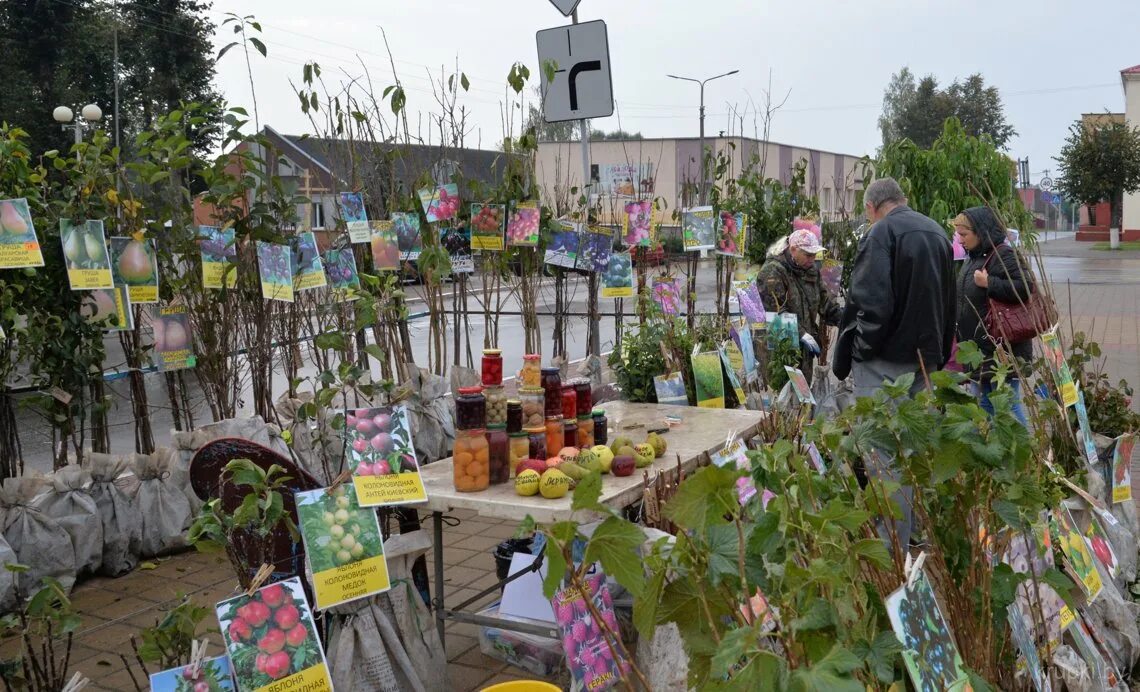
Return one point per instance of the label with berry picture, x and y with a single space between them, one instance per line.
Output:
382 458
522 226
212 675
340 267
440 204
488 222
732 234
698 228
305 262
355 216
1059 367
272 640
219 257
407 227
931 656
637 223
1101 547
275 266
343 545
1122 467
751 306
590 658
617 279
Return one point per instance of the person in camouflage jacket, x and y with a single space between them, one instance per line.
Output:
789 281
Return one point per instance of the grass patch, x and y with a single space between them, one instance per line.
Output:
1129 245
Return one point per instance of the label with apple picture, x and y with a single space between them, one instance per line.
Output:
381 456
343 545
272 641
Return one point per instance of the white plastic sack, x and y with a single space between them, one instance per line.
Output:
7 579
70 503
40 543
166 513
118 513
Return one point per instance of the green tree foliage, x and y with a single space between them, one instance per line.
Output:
1100 163
62 53
617 135
916 111
548 132
957 171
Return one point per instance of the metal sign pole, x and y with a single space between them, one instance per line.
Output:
594 347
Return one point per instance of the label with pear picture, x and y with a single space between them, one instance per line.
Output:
19 245
85 251
134 264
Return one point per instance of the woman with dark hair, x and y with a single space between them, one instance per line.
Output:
992 269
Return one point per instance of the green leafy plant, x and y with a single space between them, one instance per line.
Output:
784 352
1109 407
45 626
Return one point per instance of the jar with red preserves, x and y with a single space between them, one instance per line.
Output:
569 402
570 432
498 454
536 441
552 389
471 461
514 416
492 366
583 390
470 409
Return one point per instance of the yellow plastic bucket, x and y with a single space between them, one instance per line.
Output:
523 686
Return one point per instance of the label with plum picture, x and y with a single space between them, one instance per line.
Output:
355 216
219 257
343 545
272 641
382 458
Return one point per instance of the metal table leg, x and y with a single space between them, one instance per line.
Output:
437 602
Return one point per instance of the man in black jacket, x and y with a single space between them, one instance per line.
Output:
900 312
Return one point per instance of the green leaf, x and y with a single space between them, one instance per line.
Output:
376 352
766 536
732 647
616 544
587 492
226 49
331 341
645 605
259 46
820 614
722 550
874 551
880 655
399 99
947 461
464 82
705 499
246 512
555 571
245 472
829 673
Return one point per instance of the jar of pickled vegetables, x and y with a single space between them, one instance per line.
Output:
570 432
520 449
585 432
585 395
496 404
552 388
531 373
499 454
601 427
470 409
514 416
555 436
471 461
533 406
569 402
536 441
492 366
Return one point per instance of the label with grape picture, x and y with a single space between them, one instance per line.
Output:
355 216
488 222
381 456
305 263
272 640
212 675
343 545
340 267
219 257
522 226
275 267
932 658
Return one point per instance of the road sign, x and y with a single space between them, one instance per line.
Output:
1046 184
1052 198
582 86
566 7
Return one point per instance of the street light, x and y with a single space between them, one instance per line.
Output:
63 115
702 82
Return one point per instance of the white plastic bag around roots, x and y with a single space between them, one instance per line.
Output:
69 501
7 579
40 543
392 639
164 507
118 513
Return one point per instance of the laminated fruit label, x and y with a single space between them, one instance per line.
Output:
355 216
109 307
85 251
617 280
272 640
488 222
275 267
382 457
407 227
441 203
732 234
636 223
340 267
343 545
385 246
173 340
591 662
931 656
213 675
134 264
1059 367
19 245
522 226
219 257
1122 467
698 230
305 263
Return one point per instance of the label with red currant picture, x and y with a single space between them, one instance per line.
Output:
272 641
382 457
732 234
343 545
212 675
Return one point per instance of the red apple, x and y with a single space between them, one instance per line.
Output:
277 665
240 630
272 642
287 616
296 636
273 596
623 466
537 465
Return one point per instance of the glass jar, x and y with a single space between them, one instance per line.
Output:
470 461
555 437
520 449
536 441
531 373
601 427
498 454
496 404
470 409
585 432
569 402
552 389
533 406
583 391
492 367
570 432
514 416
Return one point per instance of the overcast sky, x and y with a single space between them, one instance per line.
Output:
1051 59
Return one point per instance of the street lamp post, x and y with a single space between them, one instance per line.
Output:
67 120
702 82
